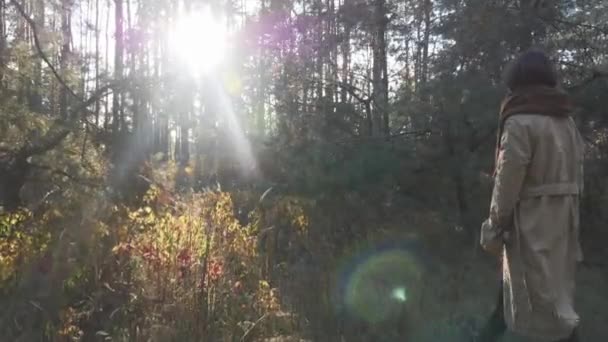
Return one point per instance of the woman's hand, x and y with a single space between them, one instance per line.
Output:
491 238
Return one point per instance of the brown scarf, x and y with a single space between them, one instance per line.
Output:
539 100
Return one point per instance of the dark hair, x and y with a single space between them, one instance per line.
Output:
531 68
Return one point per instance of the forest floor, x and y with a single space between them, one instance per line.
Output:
460 291
475 286
477 298
454 312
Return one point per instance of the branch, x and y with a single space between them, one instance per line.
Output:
46 145
50 142
62 173
384 138
46 60
596 74
245 336
84 102
352 90
600 29
99 93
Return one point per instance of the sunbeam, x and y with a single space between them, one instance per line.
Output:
199 39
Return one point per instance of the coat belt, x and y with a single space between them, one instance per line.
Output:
556 189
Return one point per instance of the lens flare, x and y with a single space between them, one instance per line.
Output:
399 294
377 283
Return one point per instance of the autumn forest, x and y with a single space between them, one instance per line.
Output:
273 170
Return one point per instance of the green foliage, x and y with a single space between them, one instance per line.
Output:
19 125
18 246
327 168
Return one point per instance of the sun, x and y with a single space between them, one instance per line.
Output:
198 40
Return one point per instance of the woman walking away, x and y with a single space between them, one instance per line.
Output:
534 213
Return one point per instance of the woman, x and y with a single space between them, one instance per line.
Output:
534 212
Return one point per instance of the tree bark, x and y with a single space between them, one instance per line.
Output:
2 42
108 114
424 72
64 63
379 72
320 51
329 55
35 96
118 67
345 61
260 108
97 33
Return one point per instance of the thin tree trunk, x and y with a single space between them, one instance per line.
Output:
380 80
418 57
108 118
329 46
334 50
2 42
97 33
408 76
64 63
428 8
260 107
345 61
527 15
133 73
35 95
320 53
164 120
155 101
118 67
384 97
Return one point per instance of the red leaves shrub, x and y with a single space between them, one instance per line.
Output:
193 254
215 271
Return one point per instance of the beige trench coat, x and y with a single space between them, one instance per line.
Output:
536 193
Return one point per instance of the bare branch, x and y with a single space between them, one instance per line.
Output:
45 145
596 74
84 102
90 183
51 141
353 91
46 60
405 134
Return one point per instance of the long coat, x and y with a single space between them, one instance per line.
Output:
537 188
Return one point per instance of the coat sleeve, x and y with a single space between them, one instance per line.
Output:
513 159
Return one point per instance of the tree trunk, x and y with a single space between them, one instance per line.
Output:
35 96
155 99
64 64
527 27
108 113
320 53
329 46
2 42
15 168
13 173
97 33
380 79
118 68
260 108
424 72
345 62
